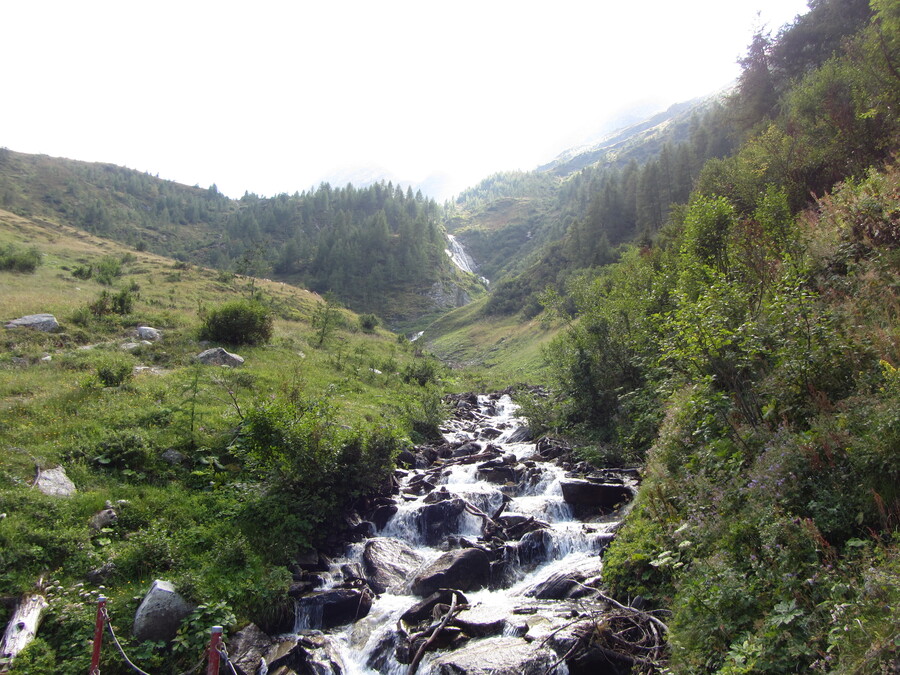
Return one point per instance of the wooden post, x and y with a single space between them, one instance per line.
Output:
98 636
215 641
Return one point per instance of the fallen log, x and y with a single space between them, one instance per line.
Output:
22 627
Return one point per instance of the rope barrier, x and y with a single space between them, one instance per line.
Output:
119 646
212 654
224 652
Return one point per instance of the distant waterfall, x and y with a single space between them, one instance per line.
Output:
459 256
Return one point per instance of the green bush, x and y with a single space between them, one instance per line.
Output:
114 371
241 322
14 259
368 323
108 269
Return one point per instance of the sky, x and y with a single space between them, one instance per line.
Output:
271 97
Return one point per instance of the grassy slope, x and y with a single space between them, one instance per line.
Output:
111 439
491 351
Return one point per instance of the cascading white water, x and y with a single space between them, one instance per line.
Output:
565 544
459 256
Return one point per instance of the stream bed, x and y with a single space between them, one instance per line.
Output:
485 561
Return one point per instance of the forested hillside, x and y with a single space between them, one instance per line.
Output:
378 249
746 354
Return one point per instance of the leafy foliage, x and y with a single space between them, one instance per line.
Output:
239 322
14 259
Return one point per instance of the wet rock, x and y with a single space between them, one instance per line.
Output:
470 448
247 647
498 656
425 457
219 357
501 474
55 482
482 621
406 458
436 521
382 514
311 654
520 435
586 495
388 563
424 608
42 322
160 613
571 582
335 607
533 548
465 570
489 433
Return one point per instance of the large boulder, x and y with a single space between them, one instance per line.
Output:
466 569
499 656
389 563
520 435
160 613
482 621
310 653
42 322
571 582
55 482
587 495
217 356
248 647
424 608
436 521
335 607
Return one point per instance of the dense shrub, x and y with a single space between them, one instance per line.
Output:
241 322
14 259
114 370
368 323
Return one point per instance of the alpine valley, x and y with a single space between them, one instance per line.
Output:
634 411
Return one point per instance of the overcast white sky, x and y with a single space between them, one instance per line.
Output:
271 97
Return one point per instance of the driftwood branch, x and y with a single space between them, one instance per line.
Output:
414 665
23 626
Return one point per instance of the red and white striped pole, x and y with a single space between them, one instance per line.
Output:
215 641
98 635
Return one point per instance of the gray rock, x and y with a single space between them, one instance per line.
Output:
104 518
160 613
571 582
436 521
42 322
217 356
466 569
424 608
520 435
247 647
482 621
173 457
148 333
56 483
590 495
131 346
335 607
311 653
389 563
499 656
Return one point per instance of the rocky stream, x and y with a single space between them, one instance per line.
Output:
487 560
